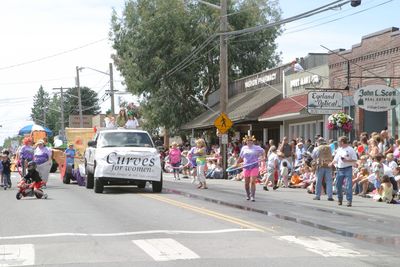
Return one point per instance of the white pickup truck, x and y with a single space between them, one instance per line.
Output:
122 157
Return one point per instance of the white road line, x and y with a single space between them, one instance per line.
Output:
321 247
165 249
168 232
17 255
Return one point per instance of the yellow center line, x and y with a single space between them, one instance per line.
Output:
210 213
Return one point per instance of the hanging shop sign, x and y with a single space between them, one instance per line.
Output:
321 102
376 98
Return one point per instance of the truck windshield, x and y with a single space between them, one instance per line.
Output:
124 139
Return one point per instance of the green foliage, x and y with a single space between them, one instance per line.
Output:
40 104
53 118
9 140
47 112
151 37
90 102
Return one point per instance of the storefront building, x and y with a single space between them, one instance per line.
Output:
365 69
248 98
292 111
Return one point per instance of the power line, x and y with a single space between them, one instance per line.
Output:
194 60
51 56
313 12
333 20
324 17
191 55
303 15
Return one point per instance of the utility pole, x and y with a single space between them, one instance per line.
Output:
79 98
112 89
62 111
223 73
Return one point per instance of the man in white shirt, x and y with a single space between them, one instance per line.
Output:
344 160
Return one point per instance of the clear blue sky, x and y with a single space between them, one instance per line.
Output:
36 29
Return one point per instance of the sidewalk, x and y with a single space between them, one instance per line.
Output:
367 218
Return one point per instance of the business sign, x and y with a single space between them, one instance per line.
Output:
74 121
321 102
306 80
260 80
376 98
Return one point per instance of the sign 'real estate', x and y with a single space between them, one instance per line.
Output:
376 98
319 102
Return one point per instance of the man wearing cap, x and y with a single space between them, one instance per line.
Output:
70 155
344 158
323 157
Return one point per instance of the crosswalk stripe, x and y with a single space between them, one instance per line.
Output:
17 255
165 249
321 247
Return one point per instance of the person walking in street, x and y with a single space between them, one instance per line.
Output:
25 154
250 155
42 157
323 157
6 170
174 157
198 153
70 155
344 159
272 168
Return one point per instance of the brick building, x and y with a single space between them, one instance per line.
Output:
374 61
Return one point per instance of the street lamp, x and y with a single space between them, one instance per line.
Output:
111 84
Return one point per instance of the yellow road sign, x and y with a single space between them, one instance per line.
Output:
223 123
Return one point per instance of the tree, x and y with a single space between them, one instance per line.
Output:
89 100
40 104
54 114
153 36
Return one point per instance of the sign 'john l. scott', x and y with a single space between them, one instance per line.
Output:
376 98
324 102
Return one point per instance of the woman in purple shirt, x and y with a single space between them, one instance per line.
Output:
250 156
42 157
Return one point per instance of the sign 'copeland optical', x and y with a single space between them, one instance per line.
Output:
324 102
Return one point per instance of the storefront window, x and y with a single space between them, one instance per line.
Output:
307 130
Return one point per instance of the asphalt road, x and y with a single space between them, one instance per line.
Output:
183 226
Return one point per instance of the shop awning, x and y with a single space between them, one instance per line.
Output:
242 107
286 109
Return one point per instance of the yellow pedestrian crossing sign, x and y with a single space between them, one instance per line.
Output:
223 123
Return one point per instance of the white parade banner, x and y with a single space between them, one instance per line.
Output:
140 165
